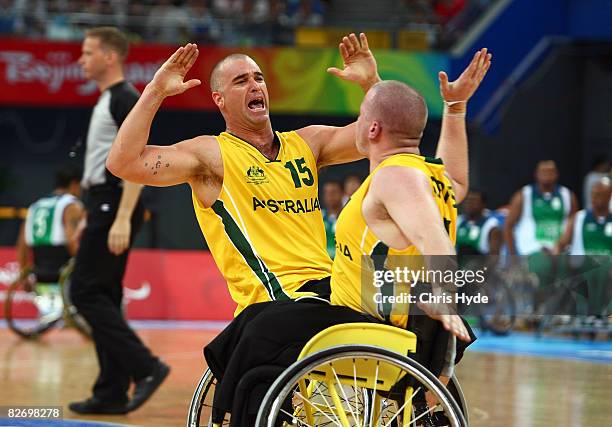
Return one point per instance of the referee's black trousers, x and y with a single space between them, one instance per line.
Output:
97 292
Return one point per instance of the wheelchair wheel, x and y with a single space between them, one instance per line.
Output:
394 383
71 314
456 391
200 408
31 308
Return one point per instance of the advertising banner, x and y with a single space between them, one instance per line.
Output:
177 285
39 73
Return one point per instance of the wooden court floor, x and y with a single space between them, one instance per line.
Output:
502 390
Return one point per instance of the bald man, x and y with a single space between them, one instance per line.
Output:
589 232
255 191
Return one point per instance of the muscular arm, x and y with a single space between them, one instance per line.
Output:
406 196
453 150
514 213
453 142
73 215
331 145
131 159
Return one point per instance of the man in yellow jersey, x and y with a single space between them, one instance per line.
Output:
255 190
405 207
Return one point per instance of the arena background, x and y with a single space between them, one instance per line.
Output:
547 96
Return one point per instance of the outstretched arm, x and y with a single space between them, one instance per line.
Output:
330 144
130 157
453 144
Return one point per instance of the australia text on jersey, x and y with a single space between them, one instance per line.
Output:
294 206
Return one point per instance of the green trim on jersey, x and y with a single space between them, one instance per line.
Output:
597 235
548 212
241 243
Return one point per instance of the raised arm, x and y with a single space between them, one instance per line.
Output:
333 145
453 144
130 157
405 195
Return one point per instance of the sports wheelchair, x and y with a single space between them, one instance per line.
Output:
43 304
354 374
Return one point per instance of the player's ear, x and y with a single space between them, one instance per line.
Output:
218 99
374 130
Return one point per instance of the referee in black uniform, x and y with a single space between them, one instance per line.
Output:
114 216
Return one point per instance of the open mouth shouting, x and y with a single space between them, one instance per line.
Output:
257 104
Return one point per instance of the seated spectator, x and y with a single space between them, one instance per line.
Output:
600 168
8 17
351 184
59 26
167 23
304 12
448 9
228 8
202 25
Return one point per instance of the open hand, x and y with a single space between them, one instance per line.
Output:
451 322
359 63
464 87
169 79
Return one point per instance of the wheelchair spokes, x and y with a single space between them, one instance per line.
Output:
32 308
321 391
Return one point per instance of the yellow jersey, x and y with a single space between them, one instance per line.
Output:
265 230
359 252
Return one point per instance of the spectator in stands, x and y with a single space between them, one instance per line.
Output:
417 12
230 13
539 211
448 9
228 9
136 20
589 233
600 168
8 17
202 25
351 184
168 23
59 26
304 12
35 17
478 231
